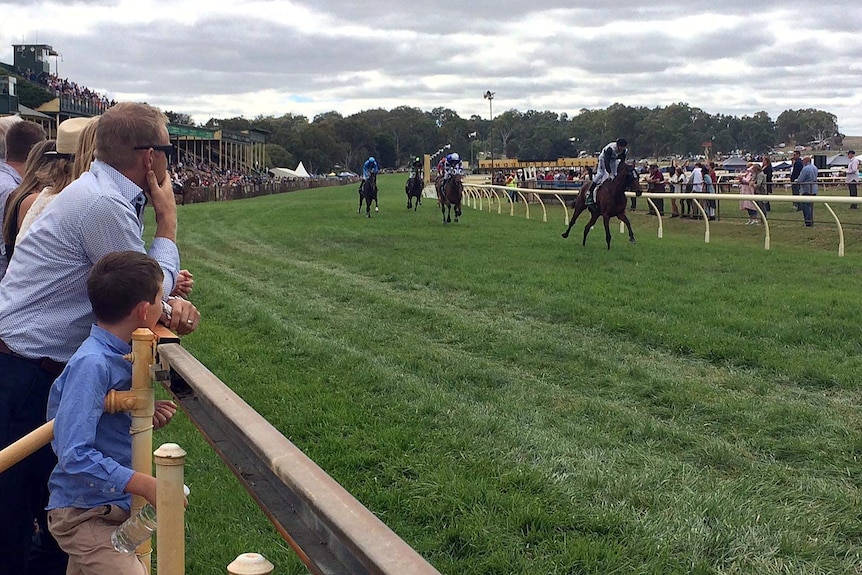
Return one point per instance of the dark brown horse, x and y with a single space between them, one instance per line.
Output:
183 191
610 203
449 196
414 191
367 193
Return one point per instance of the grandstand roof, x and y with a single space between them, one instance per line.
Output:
26 112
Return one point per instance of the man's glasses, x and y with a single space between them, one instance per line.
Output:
166 149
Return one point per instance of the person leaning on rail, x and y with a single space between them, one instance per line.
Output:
45 313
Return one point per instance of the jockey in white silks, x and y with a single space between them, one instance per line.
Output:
609 160
452 166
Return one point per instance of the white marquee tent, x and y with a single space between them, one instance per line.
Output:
299 172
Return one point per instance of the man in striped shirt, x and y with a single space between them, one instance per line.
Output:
45 313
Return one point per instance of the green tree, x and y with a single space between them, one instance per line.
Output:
278 157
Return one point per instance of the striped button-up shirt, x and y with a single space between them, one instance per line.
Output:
44 308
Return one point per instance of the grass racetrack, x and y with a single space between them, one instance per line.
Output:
510 402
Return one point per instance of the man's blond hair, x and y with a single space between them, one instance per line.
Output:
124 127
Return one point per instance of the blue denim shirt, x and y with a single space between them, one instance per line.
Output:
94 448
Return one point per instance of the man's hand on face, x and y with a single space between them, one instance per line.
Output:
164 204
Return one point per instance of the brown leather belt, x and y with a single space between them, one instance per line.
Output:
47 364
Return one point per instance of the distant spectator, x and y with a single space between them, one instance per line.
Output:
677 182
708 188
853 176
807 181
746 189
768 170
655 182
794 175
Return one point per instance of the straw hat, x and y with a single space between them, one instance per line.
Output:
68 134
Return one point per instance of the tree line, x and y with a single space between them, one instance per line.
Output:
332 142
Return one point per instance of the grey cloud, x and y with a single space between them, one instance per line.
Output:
634 63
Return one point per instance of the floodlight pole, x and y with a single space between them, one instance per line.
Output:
489 95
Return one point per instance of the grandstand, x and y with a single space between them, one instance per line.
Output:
29 88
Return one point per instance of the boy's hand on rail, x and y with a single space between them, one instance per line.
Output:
164 412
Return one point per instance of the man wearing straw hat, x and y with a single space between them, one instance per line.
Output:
45 313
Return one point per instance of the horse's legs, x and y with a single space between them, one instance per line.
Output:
607 222
457 211
579 207
625 219
443 211
593 218
359 211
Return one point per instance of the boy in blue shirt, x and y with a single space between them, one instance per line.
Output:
92 482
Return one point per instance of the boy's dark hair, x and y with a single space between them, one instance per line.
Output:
120 281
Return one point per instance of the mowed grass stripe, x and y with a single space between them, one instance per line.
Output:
500 428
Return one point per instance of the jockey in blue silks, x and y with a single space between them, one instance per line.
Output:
609 160
369 167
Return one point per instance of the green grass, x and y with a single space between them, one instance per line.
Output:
512 402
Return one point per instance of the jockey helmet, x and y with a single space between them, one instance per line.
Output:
371 159
454 157
622 143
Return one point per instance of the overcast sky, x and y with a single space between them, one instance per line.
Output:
224 59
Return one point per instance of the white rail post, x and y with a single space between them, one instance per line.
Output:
170 460
250 564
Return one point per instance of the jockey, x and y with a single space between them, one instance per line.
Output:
415 167
609 160
441 166
369 167
452 166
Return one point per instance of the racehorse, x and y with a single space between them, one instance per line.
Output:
414 190
368 192
185 189
449 196
610 202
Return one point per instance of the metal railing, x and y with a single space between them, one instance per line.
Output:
480 196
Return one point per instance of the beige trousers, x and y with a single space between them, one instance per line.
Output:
85 534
